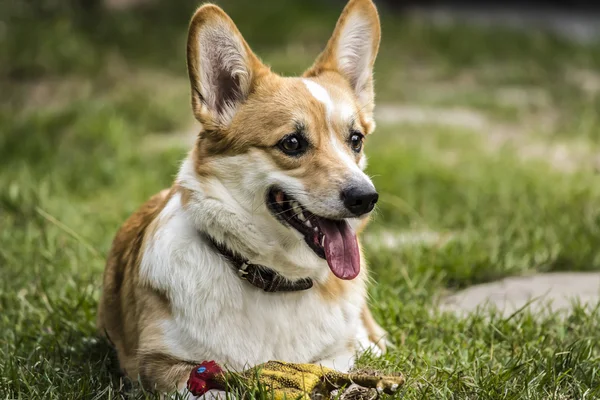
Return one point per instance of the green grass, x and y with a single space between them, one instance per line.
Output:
88 94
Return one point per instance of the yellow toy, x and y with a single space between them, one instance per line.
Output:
289 381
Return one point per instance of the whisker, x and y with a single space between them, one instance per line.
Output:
260 203
296 214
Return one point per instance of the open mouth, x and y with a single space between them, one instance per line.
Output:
333 240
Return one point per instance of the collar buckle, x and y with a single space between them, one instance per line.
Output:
242 271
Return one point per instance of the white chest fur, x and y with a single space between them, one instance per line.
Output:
218 316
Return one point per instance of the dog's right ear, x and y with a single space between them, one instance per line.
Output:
221 66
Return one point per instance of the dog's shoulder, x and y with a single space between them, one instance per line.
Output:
123 261
129 239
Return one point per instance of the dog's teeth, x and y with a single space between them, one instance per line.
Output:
307 223
316 229
323 241
301 217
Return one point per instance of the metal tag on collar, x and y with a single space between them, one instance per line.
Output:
242 270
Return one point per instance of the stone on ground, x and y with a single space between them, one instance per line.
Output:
552 291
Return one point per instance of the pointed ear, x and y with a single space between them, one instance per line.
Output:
221 66
352 49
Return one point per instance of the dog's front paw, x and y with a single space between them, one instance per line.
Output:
375 349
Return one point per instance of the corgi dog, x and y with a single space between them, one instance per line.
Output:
252 254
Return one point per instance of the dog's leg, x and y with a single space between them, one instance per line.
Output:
343 361
370 338
163 372
377 337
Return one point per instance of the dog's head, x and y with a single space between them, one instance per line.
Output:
288 152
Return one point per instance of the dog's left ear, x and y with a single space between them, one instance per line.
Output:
352 49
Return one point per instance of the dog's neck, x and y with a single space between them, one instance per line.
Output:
260 276
245 228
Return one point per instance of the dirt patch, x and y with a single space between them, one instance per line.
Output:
528 139
517 96
456 117
400 240
586 80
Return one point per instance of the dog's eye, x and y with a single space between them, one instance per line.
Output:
293 145
356 141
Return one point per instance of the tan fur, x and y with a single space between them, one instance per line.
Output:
333 289
374 330
186 195
130 311
118 310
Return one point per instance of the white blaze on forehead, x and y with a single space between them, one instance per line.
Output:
340 109
319 93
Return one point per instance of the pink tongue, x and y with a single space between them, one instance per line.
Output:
341 248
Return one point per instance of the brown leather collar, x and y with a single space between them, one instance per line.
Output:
260 276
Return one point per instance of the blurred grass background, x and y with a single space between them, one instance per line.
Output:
486 156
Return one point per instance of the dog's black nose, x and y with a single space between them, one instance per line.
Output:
359 200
